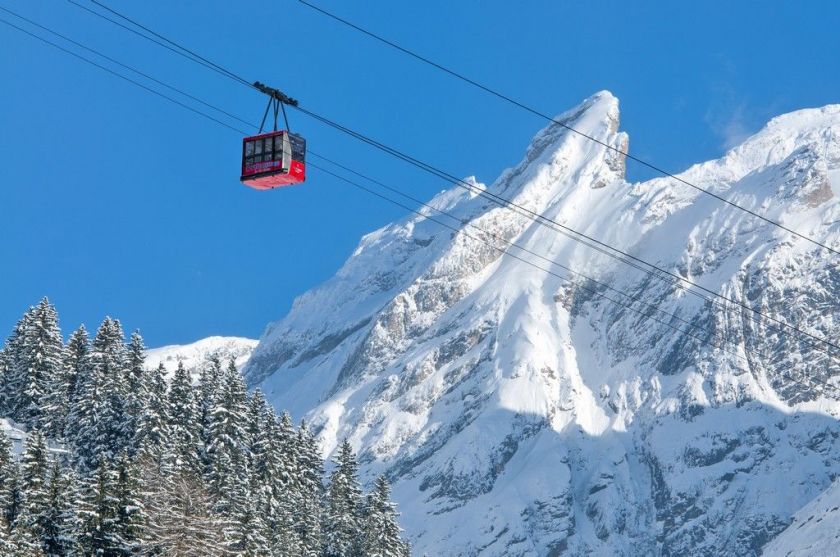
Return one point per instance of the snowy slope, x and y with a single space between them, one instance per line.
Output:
518 413
815 529
195 354
16 436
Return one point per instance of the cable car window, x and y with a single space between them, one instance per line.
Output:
249 152
258 145
278 147
298 147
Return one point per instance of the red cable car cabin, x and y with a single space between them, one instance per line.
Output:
272 160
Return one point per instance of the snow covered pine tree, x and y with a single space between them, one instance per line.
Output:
122 460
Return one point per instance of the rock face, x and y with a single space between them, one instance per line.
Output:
520 413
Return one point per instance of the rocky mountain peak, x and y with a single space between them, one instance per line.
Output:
533 404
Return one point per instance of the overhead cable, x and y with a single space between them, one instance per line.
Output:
549 118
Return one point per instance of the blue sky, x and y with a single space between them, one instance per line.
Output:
113 201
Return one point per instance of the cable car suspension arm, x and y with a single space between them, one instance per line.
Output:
277 100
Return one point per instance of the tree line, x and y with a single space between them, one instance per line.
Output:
120 460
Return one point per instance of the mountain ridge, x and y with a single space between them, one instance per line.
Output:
194 354
517 413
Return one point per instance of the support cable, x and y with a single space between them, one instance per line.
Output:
504 251
498 199
545 116
495 198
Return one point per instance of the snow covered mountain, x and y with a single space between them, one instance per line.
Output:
195 354
519 413
815 529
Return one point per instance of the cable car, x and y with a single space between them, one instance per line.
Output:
276 158
273 160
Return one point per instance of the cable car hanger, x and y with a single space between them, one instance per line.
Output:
277 99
